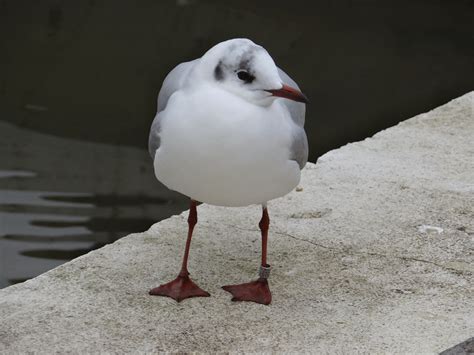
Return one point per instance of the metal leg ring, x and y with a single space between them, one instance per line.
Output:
264 272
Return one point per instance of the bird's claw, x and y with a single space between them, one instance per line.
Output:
179 289
256 291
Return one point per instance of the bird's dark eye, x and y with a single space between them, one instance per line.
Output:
245 76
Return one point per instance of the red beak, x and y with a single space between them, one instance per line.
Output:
289 93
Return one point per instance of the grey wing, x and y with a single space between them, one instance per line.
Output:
299 146
172 83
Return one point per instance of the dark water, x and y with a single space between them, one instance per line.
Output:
61 198
78 86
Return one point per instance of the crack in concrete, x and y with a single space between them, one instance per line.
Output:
349 252
309 241
404 258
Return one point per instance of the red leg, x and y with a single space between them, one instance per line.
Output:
258 290
183 287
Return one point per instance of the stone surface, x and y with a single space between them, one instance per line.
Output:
353 271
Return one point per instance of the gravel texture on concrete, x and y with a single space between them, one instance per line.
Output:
375 254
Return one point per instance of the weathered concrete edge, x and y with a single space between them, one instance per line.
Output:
464 348
111 246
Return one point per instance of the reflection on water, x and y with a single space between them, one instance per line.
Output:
39 198
16 173
62 198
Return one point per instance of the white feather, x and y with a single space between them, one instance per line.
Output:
220 149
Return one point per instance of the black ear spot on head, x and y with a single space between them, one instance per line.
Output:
245 76
218 72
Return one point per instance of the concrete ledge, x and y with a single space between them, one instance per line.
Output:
374 255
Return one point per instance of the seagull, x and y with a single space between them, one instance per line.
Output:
229 131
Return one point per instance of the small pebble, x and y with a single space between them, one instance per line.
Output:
430 229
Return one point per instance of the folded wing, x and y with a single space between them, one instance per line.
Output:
299 146
172 83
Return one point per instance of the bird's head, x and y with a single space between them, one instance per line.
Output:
247 70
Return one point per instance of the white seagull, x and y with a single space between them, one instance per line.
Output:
228 132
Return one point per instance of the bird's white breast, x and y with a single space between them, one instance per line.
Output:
219 149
